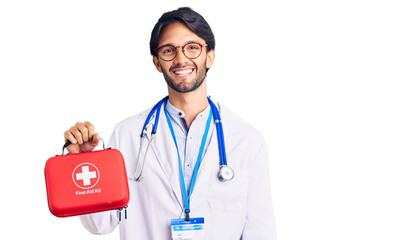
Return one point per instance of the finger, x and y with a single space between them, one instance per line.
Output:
83 130
68 136
73 148
91 130
77 134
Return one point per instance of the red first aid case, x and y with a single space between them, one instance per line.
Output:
86 183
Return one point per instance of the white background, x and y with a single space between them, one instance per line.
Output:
326 82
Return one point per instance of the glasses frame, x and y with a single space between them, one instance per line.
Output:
182 48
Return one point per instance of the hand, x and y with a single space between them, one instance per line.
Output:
82 136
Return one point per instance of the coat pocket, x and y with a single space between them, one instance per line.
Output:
230 195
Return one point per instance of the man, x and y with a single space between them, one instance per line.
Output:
183 49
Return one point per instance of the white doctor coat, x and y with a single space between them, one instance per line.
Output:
233 210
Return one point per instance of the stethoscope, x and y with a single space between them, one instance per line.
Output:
225 173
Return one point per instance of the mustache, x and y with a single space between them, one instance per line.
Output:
182 66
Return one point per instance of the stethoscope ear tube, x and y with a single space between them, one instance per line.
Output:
220 135
155 127
223 143
157 109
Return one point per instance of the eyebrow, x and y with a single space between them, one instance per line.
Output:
187 42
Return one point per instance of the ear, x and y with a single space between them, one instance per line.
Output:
210 58
157 64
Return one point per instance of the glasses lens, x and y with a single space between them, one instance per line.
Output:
192 50
167 52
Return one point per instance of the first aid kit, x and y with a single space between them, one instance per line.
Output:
88 182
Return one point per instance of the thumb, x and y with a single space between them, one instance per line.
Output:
90 145
95 139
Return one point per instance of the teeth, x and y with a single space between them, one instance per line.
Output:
183 72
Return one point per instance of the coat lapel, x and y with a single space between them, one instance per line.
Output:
167 156
211 154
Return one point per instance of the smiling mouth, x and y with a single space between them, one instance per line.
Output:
183 72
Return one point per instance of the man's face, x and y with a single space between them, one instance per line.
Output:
183 74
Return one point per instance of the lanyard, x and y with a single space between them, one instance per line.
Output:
186 197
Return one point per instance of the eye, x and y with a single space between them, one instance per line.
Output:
167 50
193 47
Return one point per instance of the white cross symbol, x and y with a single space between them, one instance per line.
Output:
86 176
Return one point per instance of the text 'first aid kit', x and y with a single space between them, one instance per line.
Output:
86 182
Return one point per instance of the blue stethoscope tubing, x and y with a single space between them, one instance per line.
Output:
157 109
225 172
220 135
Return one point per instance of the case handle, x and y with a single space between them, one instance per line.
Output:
68 143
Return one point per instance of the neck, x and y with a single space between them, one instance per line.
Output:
191 103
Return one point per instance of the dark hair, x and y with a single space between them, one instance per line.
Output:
193 20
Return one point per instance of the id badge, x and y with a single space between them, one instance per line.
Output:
193 230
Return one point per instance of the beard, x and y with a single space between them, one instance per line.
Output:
185 87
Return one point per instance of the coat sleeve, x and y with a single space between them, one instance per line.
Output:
260 223
103 222
100 223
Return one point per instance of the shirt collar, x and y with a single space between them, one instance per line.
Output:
177 113
174 111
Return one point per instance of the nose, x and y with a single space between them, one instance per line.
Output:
180 56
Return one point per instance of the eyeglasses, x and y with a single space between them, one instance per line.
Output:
190 50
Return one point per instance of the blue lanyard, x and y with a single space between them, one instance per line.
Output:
186 197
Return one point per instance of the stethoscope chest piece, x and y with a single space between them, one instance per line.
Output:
226 173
